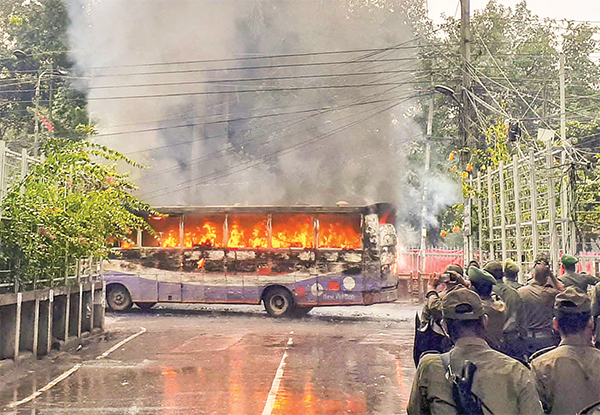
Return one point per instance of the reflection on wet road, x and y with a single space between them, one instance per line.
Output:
212 363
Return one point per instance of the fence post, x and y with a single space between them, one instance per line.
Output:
551 207
490 212
502 208
23 168
517 191
18 325
479 218
533 195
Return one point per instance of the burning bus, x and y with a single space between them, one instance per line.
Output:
290 258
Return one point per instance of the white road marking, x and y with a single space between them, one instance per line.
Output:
121 343
277 380
69 372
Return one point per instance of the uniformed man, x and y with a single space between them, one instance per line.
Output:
573 278
568 377
512 341
495 309
502 384
596 313
511 274
538 305
438 287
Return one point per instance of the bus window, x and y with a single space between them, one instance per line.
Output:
247 231
292 231
167 232
203 230
339 231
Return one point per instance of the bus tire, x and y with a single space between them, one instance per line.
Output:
301 311
278 302
118 298
145 306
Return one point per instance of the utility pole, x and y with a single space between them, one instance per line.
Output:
465 35
423 247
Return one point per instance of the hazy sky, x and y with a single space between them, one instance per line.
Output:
558 9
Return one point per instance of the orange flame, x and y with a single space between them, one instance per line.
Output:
205 235
251 231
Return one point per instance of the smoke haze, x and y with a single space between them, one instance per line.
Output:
295 140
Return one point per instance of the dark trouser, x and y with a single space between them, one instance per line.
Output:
514 345
538 340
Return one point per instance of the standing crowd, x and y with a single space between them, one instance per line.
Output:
528 349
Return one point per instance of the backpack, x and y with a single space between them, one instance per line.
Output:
465 400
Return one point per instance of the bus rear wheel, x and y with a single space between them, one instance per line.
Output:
278 302
118 298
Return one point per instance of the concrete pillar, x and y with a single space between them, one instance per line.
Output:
50 320
17 326
80 305
36 327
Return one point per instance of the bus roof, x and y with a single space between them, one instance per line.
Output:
375 208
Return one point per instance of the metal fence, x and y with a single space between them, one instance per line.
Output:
77 271
13 167
522 208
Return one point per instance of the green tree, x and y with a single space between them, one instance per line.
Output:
70 206
34 47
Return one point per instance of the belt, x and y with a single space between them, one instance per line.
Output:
539 334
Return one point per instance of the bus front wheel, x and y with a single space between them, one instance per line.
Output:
118 298
278 302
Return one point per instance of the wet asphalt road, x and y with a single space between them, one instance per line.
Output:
231 360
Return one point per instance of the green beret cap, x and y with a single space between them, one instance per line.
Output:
572 300
479 276
569 260
494 268
510 265
462 304
456 268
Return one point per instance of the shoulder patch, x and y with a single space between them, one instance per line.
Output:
541 352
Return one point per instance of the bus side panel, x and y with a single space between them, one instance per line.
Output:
141 288
192 287
340 279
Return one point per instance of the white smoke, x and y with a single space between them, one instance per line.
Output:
357 154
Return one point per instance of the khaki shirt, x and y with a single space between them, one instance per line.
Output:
503 384
568 377
581 281
513 284
538 305
496 312
514 307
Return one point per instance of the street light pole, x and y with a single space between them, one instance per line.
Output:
424 212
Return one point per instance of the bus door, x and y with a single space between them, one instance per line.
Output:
169 286
169 274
